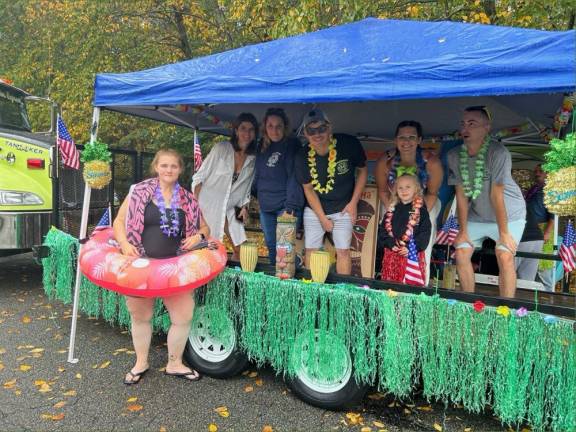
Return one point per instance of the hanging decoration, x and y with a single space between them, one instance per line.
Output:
96 158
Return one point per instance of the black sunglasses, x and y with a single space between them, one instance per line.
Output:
317 130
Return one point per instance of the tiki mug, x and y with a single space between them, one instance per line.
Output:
285 251
248 256
319 266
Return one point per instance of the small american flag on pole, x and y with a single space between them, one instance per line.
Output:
568 249
197 152
449 231
413 274
70 155
104 221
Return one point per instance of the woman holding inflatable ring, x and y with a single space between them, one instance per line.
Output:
159 219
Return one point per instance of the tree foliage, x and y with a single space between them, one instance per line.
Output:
55 47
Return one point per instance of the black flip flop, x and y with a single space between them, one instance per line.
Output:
185 375
133 376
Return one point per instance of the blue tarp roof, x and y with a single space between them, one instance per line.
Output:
372 59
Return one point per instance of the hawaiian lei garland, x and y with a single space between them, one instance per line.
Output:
169 228
412 221
331 168
478 170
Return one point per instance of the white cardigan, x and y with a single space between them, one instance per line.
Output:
218 196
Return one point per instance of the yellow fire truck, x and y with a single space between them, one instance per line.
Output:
26 172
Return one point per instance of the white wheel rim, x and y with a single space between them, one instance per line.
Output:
204 344
338 353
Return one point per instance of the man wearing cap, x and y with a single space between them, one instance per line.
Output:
333 172
489 202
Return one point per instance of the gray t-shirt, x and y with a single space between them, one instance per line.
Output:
497 169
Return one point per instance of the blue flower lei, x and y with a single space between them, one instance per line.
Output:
172 227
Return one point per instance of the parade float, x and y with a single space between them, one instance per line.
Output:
333 340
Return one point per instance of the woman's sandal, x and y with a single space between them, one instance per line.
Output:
193 375
134 378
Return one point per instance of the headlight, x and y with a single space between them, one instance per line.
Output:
19 198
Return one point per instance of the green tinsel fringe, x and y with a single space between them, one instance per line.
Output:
524 368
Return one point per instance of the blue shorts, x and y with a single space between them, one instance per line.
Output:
479 231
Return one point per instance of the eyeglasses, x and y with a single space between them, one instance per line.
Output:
411 138
481 108
317 130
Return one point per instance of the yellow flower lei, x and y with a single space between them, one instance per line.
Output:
331 168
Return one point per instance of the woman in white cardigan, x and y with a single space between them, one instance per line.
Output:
222 184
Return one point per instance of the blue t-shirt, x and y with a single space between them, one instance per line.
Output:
275 183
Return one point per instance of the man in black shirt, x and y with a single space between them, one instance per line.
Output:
327 170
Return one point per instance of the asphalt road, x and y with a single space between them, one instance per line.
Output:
41 391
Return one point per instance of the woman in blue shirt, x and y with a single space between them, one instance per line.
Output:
275 184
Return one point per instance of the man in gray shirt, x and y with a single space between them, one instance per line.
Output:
488 201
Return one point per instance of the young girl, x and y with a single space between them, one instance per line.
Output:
406 220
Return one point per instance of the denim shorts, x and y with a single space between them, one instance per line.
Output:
314 233
479 231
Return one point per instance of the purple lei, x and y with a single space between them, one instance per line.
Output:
169 228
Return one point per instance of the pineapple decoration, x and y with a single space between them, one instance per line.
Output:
560 188
96 158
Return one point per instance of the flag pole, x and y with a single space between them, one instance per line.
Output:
81 236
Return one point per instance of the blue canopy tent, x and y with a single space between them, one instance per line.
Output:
366 75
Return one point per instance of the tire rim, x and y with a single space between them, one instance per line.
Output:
204 344
335 350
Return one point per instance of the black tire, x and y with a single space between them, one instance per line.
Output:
211 357
341 393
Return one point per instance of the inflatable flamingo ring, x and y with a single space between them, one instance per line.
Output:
102 262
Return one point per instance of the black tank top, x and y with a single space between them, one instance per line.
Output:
156 243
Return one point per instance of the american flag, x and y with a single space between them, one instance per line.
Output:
70 155
568 249
449 231
413 274
197 152
104 221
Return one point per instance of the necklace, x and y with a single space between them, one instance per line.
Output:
470 191
331 168
413 220
172 227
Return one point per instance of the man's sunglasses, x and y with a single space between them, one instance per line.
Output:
317 130
482 108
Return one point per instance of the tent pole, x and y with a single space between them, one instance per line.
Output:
173 117
81 236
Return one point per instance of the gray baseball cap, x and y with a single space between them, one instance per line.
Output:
315 115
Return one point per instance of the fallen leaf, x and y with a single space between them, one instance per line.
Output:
468 429
437 427
248 389
10 384
134 407
105 364
26 319
25 367
59 404
54 417
267 428
2 350
132 399
253 374
61 369
78 376
259 382
70 393
425 408
378 424
45 388
62 351
376 396
222 411
1 366
162 429
354 418
17 392
407 411
366 429
212 427
36 350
